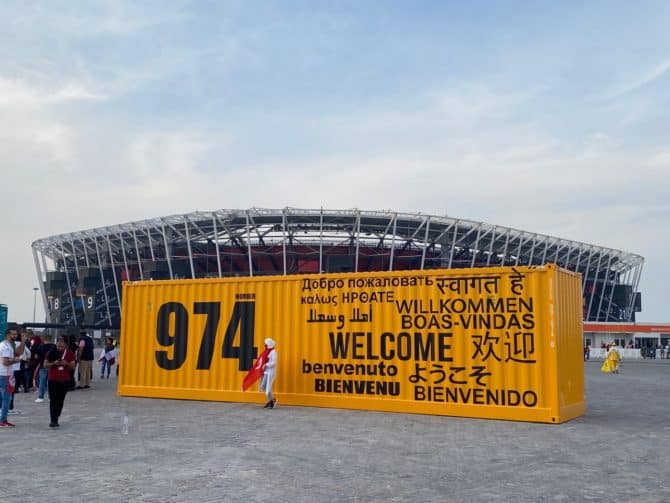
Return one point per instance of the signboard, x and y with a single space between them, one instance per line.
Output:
89 309
55 309
498 343
3 322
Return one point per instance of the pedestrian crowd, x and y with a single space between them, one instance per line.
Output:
29 362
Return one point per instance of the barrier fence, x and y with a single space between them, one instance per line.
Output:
628 354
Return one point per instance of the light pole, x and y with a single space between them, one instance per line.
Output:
34 301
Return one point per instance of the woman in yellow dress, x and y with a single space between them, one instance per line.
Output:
611 364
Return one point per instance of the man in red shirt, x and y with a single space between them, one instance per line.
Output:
59 361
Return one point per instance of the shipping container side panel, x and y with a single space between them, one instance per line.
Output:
481 332
176 334
547 337
530 345
471 342
571 393
282 327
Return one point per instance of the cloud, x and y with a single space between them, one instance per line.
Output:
65 52
119 111
160 154
86 20
33 148
15 93
473 104
651 75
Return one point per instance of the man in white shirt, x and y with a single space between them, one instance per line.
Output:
20 352
9 352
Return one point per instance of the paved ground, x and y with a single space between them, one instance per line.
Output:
179 451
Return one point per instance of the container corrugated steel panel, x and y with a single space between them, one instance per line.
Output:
569 332
501 343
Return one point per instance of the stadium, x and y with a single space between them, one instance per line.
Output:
81 272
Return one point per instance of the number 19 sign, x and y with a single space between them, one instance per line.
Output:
501 343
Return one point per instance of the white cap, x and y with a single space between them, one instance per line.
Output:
269 343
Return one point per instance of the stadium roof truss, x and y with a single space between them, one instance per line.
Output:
282 241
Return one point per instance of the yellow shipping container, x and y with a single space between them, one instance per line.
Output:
500 343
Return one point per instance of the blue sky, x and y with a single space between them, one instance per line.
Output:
552 117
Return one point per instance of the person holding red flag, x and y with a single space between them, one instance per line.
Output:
266 366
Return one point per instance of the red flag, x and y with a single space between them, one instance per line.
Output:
257 370
11 384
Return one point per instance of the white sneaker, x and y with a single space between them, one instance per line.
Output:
39 400
15 411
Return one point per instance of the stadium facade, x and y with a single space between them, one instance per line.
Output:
80 273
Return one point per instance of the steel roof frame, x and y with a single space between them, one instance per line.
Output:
392 232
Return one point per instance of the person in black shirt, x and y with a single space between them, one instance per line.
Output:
85 357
